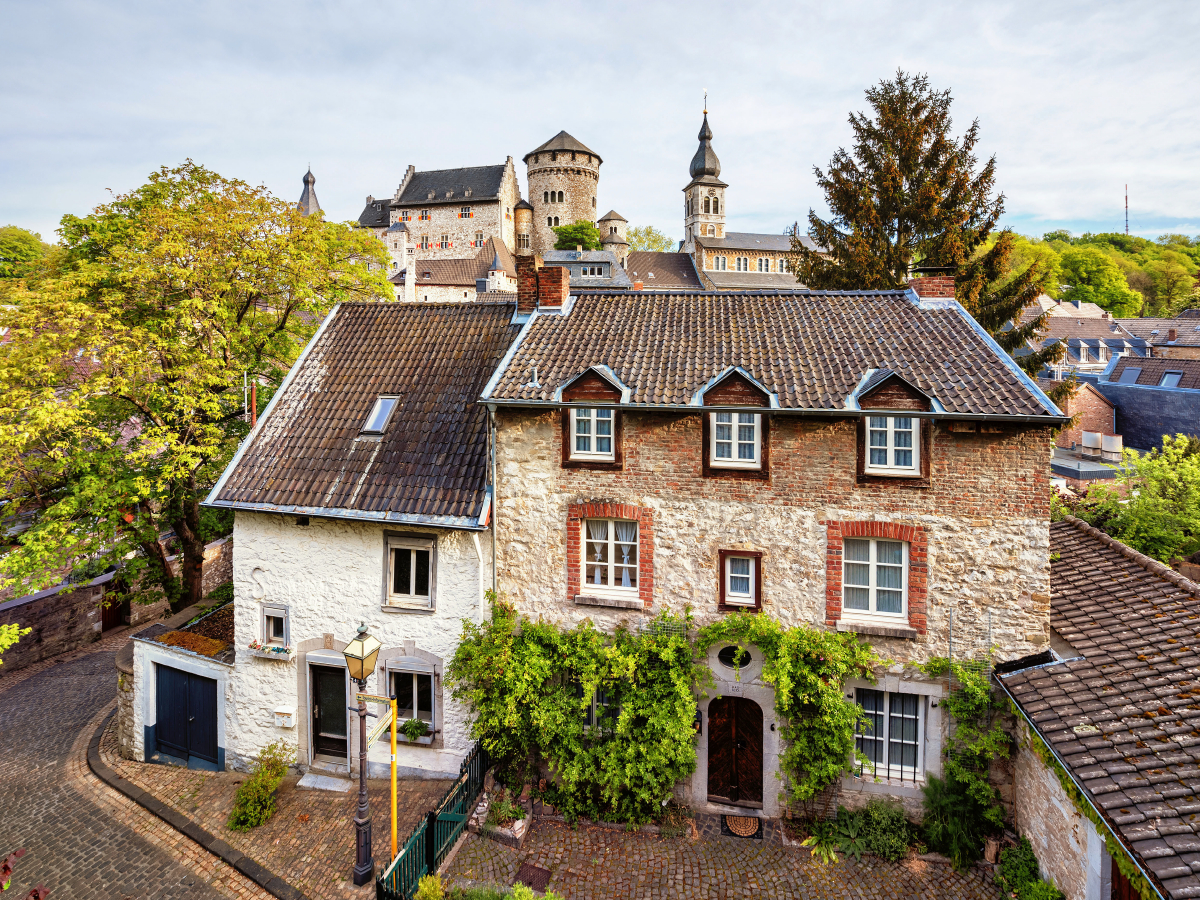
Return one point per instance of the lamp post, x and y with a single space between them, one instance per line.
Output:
360 656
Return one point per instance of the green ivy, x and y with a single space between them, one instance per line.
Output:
808 669
529 686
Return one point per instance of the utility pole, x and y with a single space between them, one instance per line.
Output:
1126 210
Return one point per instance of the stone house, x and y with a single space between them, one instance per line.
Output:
361 498
1171 338
871 463
490 272
563 176
1107 763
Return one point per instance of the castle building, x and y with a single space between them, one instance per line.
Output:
728 260
563 176
308 198
612 235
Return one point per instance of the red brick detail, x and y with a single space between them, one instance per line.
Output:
918 565
894 393
600 509
554 285
735 390
933 286
1089 411
527 283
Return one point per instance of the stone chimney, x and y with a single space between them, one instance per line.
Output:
932 287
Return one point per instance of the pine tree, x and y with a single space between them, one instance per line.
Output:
907 193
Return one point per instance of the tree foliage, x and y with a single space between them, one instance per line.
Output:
581 234
1089 276
647 237
20 251
807 668
907 192
123 376
1153 504
530 686
9 636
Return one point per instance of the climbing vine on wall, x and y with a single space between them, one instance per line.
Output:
808 669
530 686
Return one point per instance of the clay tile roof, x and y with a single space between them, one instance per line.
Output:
307 455
1124 716
562 141
1158 331
671 271
809 348
464 272
1153 370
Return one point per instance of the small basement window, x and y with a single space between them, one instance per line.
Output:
381 412
411 573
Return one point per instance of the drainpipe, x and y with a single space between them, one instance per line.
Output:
1082 793
495 500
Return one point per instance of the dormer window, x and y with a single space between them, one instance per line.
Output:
892 445
381 413
592 434
735 440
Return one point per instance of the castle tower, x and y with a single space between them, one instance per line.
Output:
563 176
523 224
308 199
612 235
704 196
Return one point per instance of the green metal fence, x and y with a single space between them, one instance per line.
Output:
425 849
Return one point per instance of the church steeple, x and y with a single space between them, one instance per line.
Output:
308 200
704 196
705 161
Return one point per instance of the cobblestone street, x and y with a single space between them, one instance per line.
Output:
591 863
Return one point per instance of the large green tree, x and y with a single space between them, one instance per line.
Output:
582 234
1089 276
123 380
907 192
647 237
20 251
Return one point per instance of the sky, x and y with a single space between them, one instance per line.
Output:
1075 100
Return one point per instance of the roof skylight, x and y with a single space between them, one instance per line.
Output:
380 413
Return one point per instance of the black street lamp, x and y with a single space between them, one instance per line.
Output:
360 656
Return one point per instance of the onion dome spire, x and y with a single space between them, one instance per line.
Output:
705 161
308 200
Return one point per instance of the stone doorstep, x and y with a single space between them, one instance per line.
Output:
313 781
268 881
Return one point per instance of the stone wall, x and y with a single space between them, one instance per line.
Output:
1067 845
330 576
707 259
577 175
985 519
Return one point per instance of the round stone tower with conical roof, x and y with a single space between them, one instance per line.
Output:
563 176
704 196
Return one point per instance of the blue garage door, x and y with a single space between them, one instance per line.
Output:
186 714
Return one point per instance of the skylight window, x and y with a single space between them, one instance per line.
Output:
380 413
1170 379
1129 375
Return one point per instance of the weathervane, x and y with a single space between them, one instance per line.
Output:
706 101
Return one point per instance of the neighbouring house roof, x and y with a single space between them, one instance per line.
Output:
1122 716
753 281
1152 371
1084 331
376 213
573 259
562 141
1158 331
748 240
307 454
1049 384
1078 309
809 349
663 270
460 272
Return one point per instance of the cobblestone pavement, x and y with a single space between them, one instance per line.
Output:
309 842
589 863
84 840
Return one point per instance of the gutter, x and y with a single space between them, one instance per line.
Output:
462 523
1112 829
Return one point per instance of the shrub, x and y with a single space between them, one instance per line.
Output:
414 728
220 595
851 834
887 832
430 888
503 812
956 823
254 803
1018 867
1040 890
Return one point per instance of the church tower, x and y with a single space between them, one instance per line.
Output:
704 196
308 199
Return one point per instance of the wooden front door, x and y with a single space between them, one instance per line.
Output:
329 710
185 707
735 751
113 614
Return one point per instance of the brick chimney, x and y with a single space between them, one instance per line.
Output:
527 282
637 285
931 287
553 285
1172 334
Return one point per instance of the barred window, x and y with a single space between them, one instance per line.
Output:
890 738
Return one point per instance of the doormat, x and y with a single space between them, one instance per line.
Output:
742 826
533 876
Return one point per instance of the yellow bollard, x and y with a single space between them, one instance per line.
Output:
395 849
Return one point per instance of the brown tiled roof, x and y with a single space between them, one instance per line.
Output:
663 270
1125 718
463 272
307 455
1157 331
1152 370
810 348
1084 327
753 281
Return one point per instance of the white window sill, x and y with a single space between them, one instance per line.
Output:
879 626
725 464
629 600
394 607
747 603
593 457
893 473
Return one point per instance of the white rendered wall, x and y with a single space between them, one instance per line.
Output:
146 655
330 576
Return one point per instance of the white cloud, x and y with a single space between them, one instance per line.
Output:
1074 99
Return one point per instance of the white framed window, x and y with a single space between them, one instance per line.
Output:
381 414
592 434
740 577
892 738
893 445
719 263
424 216
764 264
444 243
479 239
742 263
735 440
874 578
464 212
610 549
414 696
523 241
276 627
782 265
412 572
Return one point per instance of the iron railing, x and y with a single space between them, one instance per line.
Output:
426 848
